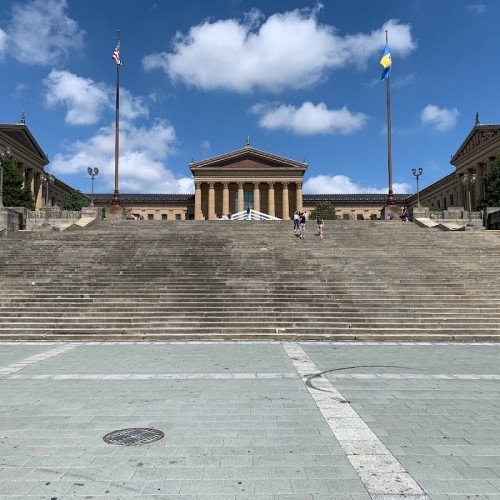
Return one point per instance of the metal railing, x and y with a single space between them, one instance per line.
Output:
250 215
53 213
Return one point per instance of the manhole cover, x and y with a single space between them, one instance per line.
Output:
133 437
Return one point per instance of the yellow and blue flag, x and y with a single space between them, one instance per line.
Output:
386 62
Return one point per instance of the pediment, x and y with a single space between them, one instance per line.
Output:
19 136
247 158
479 136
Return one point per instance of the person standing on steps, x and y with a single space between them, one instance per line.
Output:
302 225
319 225
405 216
248 213
296 223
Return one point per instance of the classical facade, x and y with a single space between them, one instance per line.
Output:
247 178
31 161
181 206
473 160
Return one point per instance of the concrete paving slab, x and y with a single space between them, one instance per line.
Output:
309 420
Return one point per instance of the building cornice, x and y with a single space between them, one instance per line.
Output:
481 136
248 152
19 137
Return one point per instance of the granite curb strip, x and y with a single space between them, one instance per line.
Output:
381 473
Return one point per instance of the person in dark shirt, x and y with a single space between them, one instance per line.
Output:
302 225
319 225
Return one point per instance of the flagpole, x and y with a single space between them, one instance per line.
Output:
390 195
116 196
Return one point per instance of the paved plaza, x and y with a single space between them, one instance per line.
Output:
250 420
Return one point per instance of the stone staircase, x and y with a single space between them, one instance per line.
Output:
130 280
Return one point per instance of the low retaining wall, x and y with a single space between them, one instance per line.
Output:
12 219
493 219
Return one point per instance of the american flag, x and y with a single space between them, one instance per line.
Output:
116 55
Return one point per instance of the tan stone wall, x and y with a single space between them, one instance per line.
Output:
150 213
352 212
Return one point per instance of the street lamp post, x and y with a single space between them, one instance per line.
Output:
468 180
417 172
4 153
47 179
93 172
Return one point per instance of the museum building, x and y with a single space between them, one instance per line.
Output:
262 181
464 187
17 142
242 179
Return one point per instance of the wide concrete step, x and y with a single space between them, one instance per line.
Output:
175 313
226 301
405 334
131 324
124 279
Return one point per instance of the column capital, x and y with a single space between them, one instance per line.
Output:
211 185
225 185
271 184
299 185
285 185
197 185
240 185
256 185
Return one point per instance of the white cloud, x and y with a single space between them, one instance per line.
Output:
441 119
86 100
131 107
402 81
290 49
309 119
83 98
143 153
144 150
477 8
341 184
205 144
3 43
41 33
20 89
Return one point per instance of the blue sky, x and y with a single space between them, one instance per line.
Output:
301 79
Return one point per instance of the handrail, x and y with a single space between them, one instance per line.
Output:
250 215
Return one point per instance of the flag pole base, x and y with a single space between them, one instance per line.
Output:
116 199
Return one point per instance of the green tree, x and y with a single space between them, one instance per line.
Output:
14 195
74 201
325 210
491 187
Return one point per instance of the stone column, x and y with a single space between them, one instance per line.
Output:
286 208
256 196
30 180
241 199
270 199
479 184
39 201
211 201
298 197
225 198
197 201
461 202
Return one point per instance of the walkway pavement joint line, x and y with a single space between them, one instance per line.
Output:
151 376
32 360
381 473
